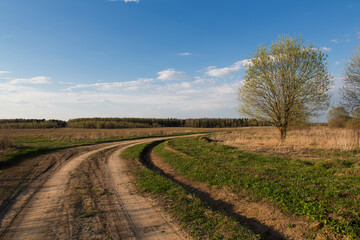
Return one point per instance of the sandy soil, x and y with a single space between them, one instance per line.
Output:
108 207
145 219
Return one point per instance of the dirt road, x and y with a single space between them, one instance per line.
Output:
106 207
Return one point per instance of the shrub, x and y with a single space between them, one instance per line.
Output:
339 122
6 143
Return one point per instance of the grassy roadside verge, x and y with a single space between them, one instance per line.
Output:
327 191
29 147
200 220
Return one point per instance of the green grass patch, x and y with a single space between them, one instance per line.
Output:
198 218
327 191
134 152
88 215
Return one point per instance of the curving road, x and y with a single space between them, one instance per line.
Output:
131 216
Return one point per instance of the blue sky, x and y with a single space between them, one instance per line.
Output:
62 59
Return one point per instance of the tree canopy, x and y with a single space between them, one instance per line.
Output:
351 90
286 84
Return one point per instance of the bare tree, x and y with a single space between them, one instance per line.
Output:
351 89
356 112
286 84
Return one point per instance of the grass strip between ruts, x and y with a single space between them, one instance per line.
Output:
196 217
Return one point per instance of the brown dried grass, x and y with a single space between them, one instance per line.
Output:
78 133
299 142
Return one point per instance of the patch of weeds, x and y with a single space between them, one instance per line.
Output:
290 225
347 163
104 192
309 236
305 162
88 215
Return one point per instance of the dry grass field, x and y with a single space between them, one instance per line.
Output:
313 142
80 133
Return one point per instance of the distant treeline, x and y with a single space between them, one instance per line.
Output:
112 123
124 122
31 123
222 122
156 122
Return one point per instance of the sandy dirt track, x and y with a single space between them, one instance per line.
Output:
43 214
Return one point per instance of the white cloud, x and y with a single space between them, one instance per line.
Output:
199 97
326 49
201 80
186 84
34 80
10 88
108 86
226 71
4 72
65 83
334 41
171 74
184 54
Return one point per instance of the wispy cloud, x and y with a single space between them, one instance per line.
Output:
170 74
334 41
213 71
109 86
326 49
65 83
4 72
34 80
184 54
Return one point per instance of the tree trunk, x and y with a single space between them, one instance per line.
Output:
282 133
